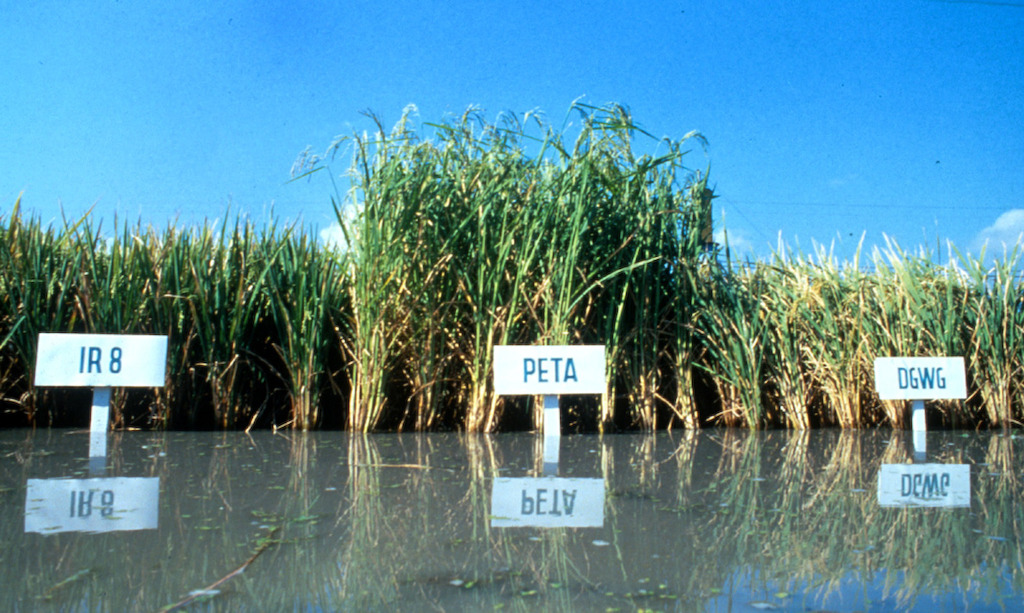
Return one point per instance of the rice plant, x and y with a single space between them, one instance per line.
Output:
465 234
304 289
40 268
836 354
733 333
463 241
995 316
919 310
784 306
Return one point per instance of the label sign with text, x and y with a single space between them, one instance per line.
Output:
101 360
924 485
549 370
920 378
548 502
92 505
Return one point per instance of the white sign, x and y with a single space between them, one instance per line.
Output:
549 370
101 360
924 485
92 505
920 378
548 502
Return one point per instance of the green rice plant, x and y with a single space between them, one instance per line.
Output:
372 329
685 272
191 305
160 315
480 214
995 315
425 362
411 220
39 267
212 290
463 242
733 332
304 288
617 193
613 244
112 293
558 238
495 250
919 310
787 343
835 352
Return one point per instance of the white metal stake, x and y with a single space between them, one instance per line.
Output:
552 435
917 418
552 417
99 422
920 431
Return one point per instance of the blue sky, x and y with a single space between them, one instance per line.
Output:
825 121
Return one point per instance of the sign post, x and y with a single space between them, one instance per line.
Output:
917 380
550 371
102 362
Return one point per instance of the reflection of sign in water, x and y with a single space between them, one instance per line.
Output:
920 378
101 360
92 505
548 370
547 503
924 485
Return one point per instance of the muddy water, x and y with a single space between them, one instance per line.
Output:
687 521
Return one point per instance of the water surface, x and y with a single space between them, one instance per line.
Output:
715 520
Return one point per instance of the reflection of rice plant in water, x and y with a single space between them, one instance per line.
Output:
374 522
812 521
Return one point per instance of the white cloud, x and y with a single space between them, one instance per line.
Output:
1005 233
739 245
332 236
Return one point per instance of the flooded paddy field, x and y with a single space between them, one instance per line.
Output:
708 520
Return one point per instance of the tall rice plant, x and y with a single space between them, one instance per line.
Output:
464 241
620 231
496 250
633 204
686 271
381 250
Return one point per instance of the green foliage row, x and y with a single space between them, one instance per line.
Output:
483 234
246 313
792 342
